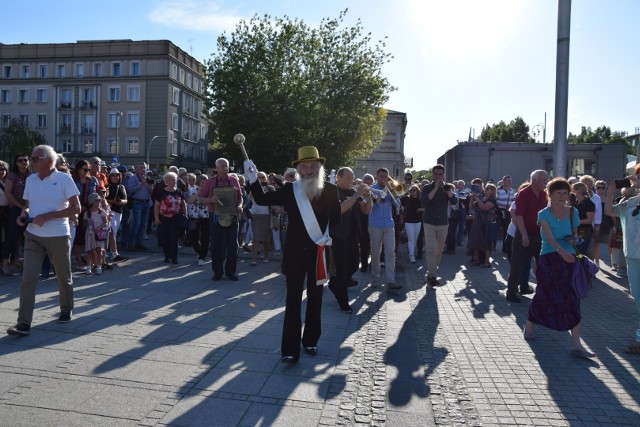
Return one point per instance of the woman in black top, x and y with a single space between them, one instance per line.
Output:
412 216
116 197
587 210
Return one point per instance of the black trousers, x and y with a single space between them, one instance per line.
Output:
365 247
224 249
199 237
520 256
339 281
168 237
452 232
292 328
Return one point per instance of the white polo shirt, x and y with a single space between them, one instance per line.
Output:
47 195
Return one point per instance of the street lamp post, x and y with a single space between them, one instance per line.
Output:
149 145
540 128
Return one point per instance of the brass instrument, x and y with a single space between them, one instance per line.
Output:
398 188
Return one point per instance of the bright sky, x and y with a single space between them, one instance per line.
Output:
458 64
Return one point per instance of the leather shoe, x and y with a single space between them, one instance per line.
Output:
513 298
345 307
352 283
289 359
526 291
232 277
311 351
216 277
364 269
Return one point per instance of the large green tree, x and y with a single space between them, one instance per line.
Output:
601 135
516 131
18 139
284 84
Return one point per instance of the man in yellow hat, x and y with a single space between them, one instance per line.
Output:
313 206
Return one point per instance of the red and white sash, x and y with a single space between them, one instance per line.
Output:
313 229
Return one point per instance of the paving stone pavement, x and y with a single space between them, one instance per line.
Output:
152 344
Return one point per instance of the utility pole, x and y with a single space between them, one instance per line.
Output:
562 89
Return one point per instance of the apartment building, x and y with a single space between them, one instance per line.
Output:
123 100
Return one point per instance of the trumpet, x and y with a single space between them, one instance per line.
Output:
397 188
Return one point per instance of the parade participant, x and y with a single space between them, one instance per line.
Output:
51 197
364 240
222 193
412 218
313 208
344 236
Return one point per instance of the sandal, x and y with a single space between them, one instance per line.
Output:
633 348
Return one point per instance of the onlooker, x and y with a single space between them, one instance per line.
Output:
5 212
139 191
555 304
13 190
604 233
86 184
526 243
480 240
590 182
462 194
50 199
95 167
96 224
505 196
412 218
169 203
586 208
629 213
260 225
198 213
117 198
436 199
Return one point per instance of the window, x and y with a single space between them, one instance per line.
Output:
133 93
6 72
112 119
79 70
23 96
181 75
176 96
24 119
41 95
87 98
88 146
203 131
42 120
65 123
65 98
203 153
189 79
114 93
42 71
5 96
133 120
66 146
87 123
135 68
115 69
112 145
97 69
174 121
26 71
174 71
174 146
132 145
5 120
61 72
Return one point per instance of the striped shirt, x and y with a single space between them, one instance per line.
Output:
505 197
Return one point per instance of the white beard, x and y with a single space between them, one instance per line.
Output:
312 185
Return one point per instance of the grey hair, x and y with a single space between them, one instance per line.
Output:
537 174
168 175
47 151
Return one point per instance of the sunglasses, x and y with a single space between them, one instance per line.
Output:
85 169
601 188
636 211
23 160
35 159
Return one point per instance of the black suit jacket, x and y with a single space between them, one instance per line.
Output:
299 250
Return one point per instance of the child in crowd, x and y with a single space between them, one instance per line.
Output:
97 230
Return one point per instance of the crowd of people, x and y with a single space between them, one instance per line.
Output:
327 227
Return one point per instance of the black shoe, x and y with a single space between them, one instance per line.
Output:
352 283
419 256
232 277
526 291
65 317
216 277
364 269
120 258
141 247
513 298
167 260
311 351
20 330
289 359
345 308
433 281
174 261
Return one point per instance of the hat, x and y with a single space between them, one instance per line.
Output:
103 163
117 171
308 153
122 168
100 188
182 170
93 197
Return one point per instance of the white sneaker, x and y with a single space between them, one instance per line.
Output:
200 261
412 259
98 270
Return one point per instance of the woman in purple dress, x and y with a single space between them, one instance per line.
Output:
555 304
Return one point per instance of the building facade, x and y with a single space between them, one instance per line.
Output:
390 152
125 101
493 160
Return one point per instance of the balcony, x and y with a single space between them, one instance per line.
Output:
65 104
87 104
87 130
65 129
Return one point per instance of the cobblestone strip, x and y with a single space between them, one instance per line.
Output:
450 399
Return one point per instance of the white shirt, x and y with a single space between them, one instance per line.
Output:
48 195
597 218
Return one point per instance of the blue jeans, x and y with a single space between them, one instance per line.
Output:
138 224
461 225
633 272
224 249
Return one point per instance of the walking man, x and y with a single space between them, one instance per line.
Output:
51 197
139 190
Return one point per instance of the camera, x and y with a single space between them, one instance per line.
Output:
623 183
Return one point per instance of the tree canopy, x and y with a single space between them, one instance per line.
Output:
516 131
18 139
602 135
284 84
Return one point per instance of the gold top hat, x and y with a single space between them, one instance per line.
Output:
308 153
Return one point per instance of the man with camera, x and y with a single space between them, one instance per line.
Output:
506 196
436 198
